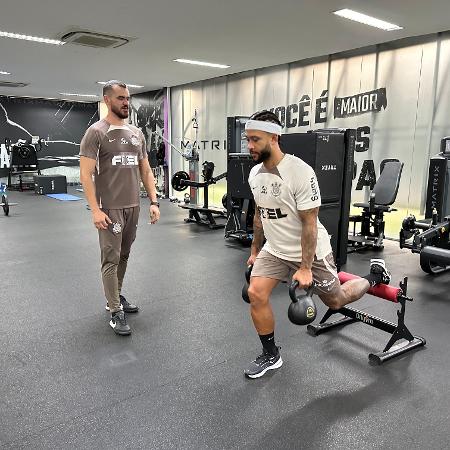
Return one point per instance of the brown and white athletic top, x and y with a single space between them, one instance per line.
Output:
280 194
117 150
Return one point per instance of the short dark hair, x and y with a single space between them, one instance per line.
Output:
267 116
108 86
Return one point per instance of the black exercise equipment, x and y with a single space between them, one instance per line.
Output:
302 310
23 162
329 152
438 188
177 181
181 181
239 202
248 273
429 238
383 195
5 204
398 331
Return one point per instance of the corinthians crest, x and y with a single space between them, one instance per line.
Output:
116 228
276 189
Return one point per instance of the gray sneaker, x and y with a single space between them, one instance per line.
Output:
262 364
379 266
125 306
119 324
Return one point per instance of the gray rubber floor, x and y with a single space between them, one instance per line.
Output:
67 381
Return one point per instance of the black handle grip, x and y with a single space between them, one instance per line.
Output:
293 287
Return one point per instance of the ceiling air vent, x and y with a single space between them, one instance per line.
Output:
96 40
12 84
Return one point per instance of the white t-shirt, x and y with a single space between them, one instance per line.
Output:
280 193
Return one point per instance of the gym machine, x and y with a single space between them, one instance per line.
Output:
329 152
23 161
239 199
381 198
203 215
430 237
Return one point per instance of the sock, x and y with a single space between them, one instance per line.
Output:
268 343
374 278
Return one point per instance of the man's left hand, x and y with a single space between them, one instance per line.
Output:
154 214
304 277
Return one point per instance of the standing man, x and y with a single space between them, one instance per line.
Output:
287 199
113 159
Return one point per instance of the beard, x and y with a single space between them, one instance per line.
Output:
119 112
264 155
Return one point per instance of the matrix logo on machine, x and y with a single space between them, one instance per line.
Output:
125 159
435 187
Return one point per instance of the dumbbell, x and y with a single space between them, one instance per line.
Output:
248 273
5 204
302 310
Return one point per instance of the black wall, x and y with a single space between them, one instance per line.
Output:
61 123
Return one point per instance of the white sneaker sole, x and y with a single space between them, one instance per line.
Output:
107 307
277 365
121 333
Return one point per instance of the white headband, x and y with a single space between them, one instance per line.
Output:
261 125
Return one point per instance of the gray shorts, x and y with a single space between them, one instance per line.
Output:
323 270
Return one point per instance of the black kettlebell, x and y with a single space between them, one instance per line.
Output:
302 310
248 273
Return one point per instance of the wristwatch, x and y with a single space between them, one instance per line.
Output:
154 204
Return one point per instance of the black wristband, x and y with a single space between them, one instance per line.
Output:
154 204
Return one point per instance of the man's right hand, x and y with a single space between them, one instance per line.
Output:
100 219
251 260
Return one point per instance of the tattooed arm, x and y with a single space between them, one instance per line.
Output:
308 218
258 237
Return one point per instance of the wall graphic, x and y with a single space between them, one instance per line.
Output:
61 124
395 96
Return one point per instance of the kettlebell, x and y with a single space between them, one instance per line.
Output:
248 273
302 310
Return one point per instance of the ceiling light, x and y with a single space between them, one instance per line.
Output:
78 95
367 20
2 72
201 63
31 38
129 85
